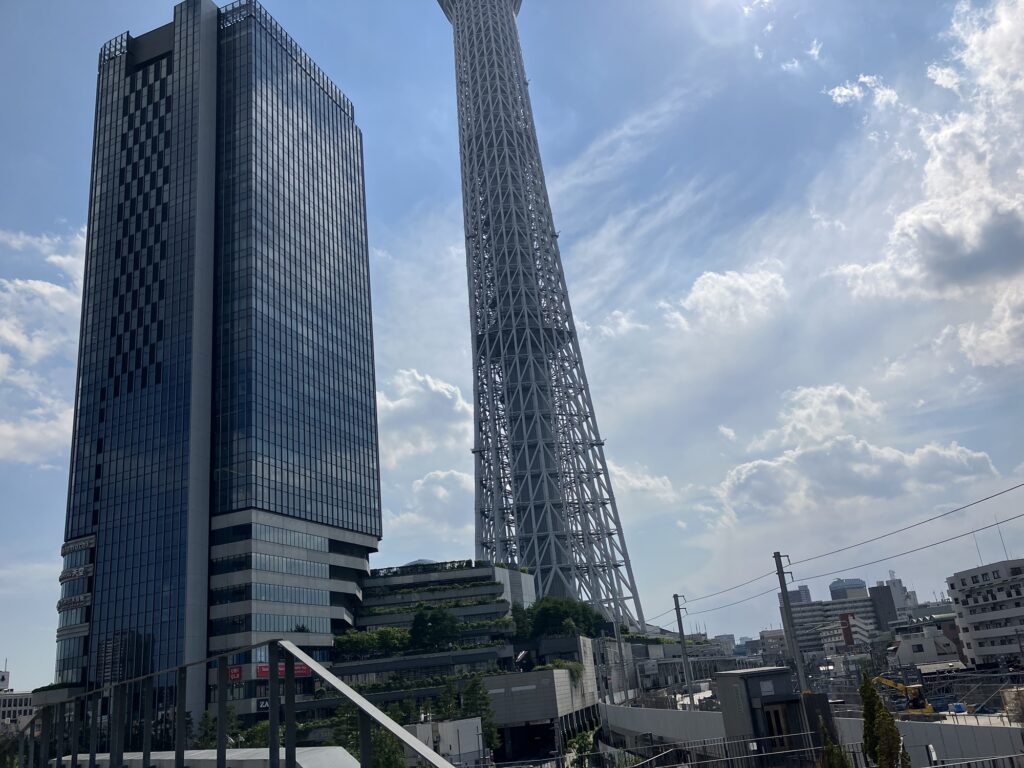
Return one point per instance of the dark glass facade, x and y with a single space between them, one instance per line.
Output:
225 422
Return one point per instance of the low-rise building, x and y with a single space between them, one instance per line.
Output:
989 604
14 706
773 646
921 644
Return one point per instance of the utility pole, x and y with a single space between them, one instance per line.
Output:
789 629
682 646
788 625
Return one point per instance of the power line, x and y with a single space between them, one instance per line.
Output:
849 547
908 527
912 551
715 594
730 605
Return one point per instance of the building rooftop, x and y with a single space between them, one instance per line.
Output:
754 671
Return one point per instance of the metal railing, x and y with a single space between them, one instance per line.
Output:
69 733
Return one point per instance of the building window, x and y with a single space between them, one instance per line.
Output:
917 648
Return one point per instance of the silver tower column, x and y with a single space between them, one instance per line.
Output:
544 500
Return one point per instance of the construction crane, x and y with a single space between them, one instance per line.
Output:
917 704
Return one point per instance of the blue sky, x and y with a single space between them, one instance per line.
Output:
794 239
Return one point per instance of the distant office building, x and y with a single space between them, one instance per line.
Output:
905 600
224 472
884 606
989 604
841 589
801 594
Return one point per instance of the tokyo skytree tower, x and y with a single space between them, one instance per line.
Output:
544 499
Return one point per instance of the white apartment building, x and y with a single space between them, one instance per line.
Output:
809 618
989 604
926 645
15 705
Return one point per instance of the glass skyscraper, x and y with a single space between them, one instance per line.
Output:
224 474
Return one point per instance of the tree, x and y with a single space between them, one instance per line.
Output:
871 703
448 703
258 735
890 744
344 725
559 615
8 749
206 738
476 702
523 621
433 629
582 746
392 640
388 752
832 755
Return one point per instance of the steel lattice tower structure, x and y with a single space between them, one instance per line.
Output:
544 499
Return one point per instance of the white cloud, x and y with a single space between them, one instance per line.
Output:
756 5
815 50
39 321
36 436
847 93
638 479
853 92
758 53
440 483
620 323
790 66
819 464
844 469
816 414
423 533
728 299
967 227
421 415
727 433
1000 340
613 152
944 77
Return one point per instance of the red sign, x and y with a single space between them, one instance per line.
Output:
234 674
301 670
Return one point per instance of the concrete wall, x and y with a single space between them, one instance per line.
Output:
669 725
952 742
526 697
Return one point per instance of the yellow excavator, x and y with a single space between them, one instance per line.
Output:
917 704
